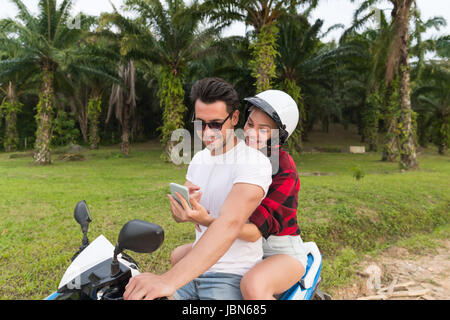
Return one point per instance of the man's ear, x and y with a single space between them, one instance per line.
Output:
235 118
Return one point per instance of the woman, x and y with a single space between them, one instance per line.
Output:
271 115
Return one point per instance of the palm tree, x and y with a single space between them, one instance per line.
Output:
369 71
99 58
308 70
398 63
9 108
13 87
166 39
123 101
397 67
431 98
48 41
262 15
235 68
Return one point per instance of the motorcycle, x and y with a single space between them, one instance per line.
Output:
100 270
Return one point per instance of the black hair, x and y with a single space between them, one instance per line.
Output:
210 90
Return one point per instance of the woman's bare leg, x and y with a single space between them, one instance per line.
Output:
179 252
273 275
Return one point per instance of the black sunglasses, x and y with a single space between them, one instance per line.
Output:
212 125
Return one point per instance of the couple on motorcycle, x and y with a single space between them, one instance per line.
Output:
244 197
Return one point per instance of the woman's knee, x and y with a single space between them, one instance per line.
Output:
179 252
253 287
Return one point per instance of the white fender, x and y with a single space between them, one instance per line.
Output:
98 251
311 247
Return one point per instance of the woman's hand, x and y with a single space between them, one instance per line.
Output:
194 192
198 214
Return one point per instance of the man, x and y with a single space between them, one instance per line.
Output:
234 179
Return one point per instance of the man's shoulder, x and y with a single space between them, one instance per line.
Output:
200 156
253 155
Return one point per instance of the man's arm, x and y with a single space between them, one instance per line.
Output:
200 216
215 242
235 211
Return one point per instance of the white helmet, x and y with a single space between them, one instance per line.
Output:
280 107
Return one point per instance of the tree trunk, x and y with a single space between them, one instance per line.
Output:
369 121
390 148
295 142
443 137
125 146
94 138
171 95
94 111
78 107
11 132
175 117
83 120
408 158
12 108
264 53
392 101
442 148
44 120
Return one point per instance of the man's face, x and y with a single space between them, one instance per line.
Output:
216 112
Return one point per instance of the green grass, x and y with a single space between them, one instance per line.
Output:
346 218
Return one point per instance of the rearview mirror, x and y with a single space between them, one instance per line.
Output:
140 236
82 215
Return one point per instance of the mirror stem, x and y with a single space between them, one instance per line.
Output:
115 269
85 241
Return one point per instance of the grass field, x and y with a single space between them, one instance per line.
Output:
347 218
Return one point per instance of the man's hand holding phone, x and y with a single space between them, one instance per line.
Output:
198 214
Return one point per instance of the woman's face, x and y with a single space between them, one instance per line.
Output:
257 128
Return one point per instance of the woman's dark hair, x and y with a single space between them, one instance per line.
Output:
210 90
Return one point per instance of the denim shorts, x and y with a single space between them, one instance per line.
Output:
290 245
212 286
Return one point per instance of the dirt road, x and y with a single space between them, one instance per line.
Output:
399 273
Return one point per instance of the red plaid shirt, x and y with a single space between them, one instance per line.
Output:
277 213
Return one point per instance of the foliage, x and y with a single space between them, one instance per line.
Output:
9 112
358 173
282 48
294 143
388 207
264 53
56 51
171 38
391 114
47 42
430 99
64 130
370 117
94 112
123 102
171 96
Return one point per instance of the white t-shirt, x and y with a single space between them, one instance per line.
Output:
216 175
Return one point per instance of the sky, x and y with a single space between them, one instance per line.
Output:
331 11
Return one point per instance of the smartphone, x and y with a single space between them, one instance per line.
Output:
183 190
